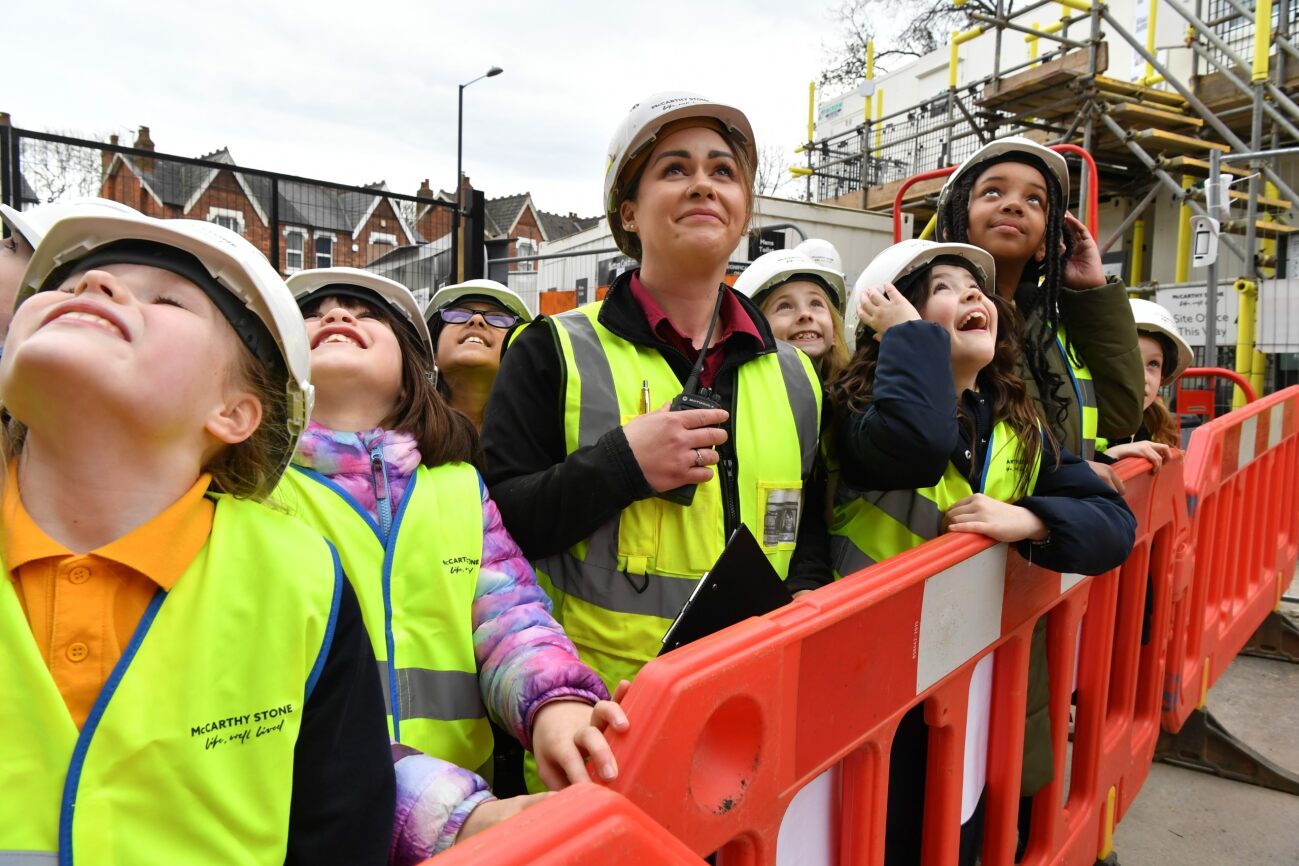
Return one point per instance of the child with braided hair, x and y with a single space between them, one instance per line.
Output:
1080 357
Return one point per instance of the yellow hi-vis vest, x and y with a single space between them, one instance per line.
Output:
617 592
1084 389
187 754
870 526
416 584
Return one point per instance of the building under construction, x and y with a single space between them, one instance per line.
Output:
1162 95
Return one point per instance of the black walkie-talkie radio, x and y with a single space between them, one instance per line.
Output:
694 397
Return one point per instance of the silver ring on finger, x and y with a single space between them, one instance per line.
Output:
699 458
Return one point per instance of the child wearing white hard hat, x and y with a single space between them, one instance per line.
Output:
176 648
472 323
934 432
389 473
24 230
1164 355
802 300
1081 362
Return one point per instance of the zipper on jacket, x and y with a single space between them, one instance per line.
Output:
730 493
382 502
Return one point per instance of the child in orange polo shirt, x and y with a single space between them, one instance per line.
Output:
187 678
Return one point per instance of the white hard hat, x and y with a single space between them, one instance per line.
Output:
1152 318
498 292
347 282
32 224
638 131
907 257
1010 144
823 253
771 270
230 261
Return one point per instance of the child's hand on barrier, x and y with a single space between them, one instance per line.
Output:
881 309
1106 473
1084 269
567 734
495 811
996 519
1155 452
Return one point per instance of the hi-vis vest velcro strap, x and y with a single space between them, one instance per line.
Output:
187 755
1084 388
616 591
871 525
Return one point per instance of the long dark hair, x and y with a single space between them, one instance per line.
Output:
1040 336
442 434
999 382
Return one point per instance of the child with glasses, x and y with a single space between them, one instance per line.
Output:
471 324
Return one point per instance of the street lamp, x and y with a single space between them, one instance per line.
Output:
457 253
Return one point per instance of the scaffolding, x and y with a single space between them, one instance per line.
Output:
1162 132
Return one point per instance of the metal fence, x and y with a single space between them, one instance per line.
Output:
296 222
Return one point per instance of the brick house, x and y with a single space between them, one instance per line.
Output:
516 227
319 226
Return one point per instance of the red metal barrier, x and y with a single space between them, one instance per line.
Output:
1199 401
730 736
1242 472
581 826
1093 188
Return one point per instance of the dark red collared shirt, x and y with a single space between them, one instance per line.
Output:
734 321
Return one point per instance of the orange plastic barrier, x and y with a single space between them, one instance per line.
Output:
1242 471
581 826
731 736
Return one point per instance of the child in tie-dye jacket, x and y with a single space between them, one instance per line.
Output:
462 631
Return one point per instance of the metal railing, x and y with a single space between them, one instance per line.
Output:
297 222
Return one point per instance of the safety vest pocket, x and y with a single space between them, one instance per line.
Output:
780 504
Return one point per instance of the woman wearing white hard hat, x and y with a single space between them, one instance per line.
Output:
1164 355
211 658
471 324
24 231
623 504
802 301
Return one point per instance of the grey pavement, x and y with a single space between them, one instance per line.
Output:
1193 819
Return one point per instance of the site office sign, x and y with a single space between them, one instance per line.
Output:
1187 304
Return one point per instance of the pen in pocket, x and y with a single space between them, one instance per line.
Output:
644 397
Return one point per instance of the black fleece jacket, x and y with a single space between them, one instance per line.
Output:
910 433
550 499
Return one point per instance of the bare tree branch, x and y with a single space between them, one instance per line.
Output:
921 26
56 170
772 172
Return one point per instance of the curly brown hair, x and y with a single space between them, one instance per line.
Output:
999 382
1159 423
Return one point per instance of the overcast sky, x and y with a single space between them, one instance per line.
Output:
363 91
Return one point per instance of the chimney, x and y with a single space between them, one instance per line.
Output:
144 142
424 191
106 156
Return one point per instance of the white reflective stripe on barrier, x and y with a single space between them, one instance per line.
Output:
1068 580
961 614
978 716
807 832
1276 427
1248 430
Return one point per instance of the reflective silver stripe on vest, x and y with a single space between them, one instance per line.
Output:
617 591
599 409
802 401
1088 389
920 515
28 858
444 696
848 558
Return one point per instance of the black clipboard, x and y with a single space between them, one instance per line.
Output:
740 584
